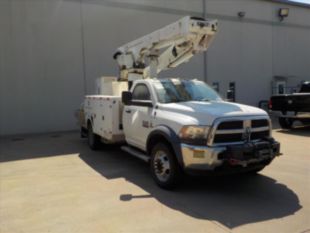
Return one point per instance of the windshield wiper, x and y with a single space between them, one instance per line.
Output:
205 99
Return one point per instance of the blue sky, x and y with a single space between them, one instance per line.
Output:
302 1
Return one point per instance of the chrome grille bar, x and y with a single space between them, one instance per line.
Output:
247 125
233 131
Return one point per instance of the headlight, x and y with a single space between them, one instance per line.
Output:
194 134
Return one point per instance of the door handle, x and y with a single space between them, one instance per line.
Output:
128 111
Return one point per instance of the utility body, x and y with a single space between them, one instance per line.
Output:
174 124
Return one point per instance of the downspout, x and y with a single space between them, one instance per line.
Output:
205 73
83 47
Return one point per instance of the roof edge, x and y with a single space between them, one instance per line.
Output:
299 4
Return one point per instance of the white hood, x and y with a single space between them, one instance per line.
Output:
205 113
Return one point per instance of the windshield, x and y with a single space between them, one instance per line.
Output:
175 90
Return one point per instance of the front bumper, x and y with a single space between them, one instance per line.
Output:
206 158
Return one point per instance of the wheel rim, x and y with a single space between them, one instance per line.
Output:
162 166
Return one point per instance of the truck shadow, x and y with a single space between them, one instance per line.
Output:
232 201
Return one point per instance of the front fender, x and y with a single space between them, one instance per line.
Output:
171 137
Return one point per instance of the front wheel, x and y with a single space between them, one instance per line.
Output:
285 123
164 166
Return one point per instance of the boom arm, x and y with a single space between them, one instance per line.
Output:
165 48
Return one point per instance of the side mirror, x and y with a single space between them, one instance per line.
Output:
126 97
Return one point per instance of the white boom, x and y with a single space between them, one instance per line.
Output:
165 48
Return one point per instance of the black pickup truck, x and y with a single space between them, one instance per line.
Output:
293 107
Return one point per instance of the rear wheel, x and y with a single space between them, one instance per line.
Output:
164 166
93 139
83 132
285 123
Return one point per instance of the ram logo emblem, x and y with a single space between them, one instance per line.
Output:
246 136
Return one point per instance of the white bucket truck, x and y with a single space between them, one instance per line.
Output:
175 125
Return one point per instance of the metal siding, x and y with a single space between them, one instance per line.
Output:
252 50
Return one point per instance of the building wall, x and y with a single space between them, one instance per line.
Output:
51 51
41 65
252 50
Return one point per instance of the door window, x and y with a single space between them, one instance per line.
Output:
141 92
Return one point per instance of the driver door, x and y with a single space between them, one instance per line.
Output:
137 119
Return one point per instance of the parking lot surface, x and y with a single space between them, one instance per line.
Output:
55 183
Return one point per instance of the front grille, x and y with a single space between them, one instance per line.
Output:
240 130
231 125
259 123
227 138
259 135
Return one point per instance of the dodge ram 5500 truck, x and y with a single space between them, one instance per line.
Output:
173 124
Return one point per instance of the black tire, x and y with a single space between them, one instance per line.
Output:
285 123
165 178
93 139
83 132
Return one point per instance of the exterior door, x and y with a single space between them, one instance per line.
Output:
281 87
137 119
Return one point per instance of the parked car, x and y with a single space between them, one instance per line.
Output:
292 107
